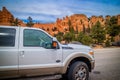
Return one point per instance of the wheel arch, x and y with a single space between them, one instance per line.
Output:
75 59
83 59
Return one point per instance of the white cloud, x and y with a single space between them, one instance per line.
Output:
51 9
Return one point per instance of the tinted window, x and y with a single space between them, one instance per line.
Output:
36 38
7 37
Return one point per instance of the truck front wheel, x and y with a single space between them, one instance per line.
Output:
78 71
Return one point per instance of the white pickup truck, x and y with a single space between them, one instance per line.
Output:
28 51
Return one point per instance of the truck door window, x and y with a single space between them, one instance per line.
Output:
36 38
7 37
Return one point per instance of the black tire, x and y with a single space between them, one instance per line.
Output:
78 71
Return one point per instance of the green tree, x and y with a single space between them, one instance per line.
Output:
84 30
113 20
113 29
15 22
80 36
71 29
30 22
76 32
88 29
69 37
69 24
59 36
84 38
87 40
98 33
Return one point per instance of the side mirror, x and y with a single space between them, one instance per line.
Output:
54 45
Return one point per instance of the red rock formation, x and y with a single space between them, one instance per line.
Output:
77 21
94 19
5 17
21 23
47 27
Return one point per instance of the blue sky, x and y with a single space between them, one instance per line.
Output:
50 10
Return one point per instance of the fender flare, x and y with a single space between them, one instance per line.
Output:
71 57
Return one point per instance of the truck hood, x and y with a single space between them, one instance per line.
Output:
75 46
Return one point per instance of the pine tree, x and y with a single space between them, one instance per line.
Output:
98 33
15 22
30 22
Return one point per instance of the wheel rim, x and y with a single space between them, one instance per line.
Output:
81 73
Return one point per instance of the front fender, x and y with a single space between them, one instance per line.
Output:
71 57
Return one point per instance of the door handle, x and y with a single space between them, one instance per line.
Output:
58 61
22 53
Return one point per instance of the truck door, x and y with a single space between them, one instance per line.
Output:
8 52
36 56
